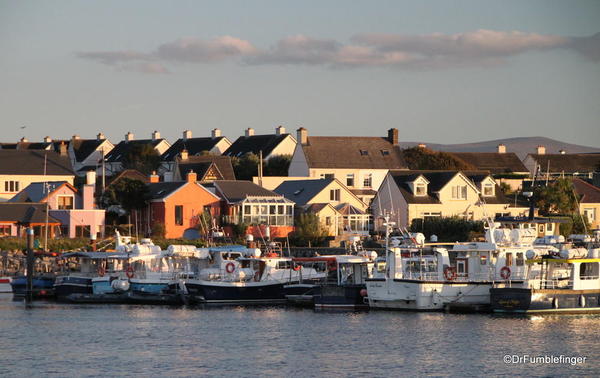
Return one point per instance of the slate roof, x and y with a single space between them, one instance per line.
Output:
568 163
235 191
118 153
36 191
316 207
352 152
160 190
302 191
589 192
85 147
194 146
255 143
200 165
494 162
31 162
25 213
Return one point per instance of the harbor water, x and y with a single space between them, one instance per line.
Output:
58 340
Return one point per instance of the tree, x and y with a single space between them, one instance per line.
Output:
424 158
556 198
308 230
447 229
576 224
245 167
142 157
278 165
128 194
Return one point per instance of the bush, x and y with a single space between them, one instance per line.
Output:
308 231
576 224
158 230
447 229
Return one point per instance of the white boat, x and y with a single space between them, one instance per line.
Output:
5 285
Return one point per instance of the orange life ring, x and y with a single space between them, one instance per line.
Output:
505 272
129 272
297 267
450 273
101 271
230 267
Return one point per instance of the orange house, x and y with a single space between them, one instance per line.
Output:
179 206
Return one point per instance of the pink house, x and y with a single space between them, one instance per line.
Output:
74 209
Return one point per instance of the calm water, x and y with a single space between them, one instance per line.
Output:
91 340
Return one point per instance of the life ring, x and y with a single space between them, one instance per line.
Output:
129 272
257 276
450 273
297 267
505 272
230 267
101 271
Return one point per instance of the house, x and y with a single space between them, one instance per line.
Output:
589 201
75 210
243 202
339 210
87 154
408 195
114 159
360 163
179 207
270 145
15 218
208 168
20 168
213 145
542 164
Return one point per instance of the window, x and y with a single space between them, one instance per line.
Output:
327 175
364 153
334 195
431 214
82 231
350 179
328 221
4 230
368 180
65 202
459 192
11 186
509 259
247 210
208 209
179 215
590 214
550 227
284 265
520 260
385 152
420 189
488 189
589 271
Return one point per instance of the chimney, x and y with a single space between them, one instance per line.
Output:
280 130
75 137
184 154
501 149
24 140
155 135
249 131
562 152
154 178
302 136
100 136
62 149
393 136
47 139
540 150
88 190
129 136
187 134
191 176
422 145
215 133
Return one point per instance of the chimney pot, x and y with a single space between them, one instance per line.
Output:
154 178
302 136
215 133
562 152
280 130
24 140
129 136
75 137
100 136
47 139
541 150
501 149
155 135
90 178
249 131
187 134
191 176
62 149
393 136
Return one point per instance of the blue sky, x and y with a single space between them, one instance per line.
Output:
439 71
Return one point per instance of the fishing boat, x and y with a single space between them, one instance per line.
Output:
5 284
43 278
431 277
563 282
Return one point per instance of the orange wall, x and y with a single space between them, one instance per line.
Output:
193 199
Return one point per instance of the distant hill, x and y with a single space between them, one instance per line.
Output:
521 146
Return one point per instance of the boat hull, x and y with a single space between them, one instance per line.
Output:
235 292
541 301
5 285
43 287
340 297
67 285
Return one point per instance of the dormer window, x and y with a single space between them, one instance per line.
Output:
488 189
385 152
364 153
420 189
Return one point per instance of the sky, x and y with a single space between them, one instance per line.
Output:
439 71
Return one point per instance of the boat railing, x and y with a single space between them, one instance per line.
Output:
554 283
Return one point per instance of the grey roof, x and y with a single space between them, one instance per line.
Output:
160 190
302 191
118 153
36 191
193 146
568 163
494 162
254 144
235 191
200 165
85 147
31 162
352 152
24 213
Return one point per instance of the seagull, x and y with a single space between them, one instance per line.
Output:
22 127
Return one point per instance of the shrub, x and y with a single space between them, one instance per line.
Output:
447 229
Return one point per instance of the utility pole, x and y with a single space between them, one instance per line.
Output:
30 263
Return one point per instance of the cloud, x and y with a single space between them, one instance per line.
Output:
430 51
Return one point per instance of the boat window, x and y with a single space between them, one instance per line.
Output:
283 265
483 259
381 267
589 271
520 260
509 259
